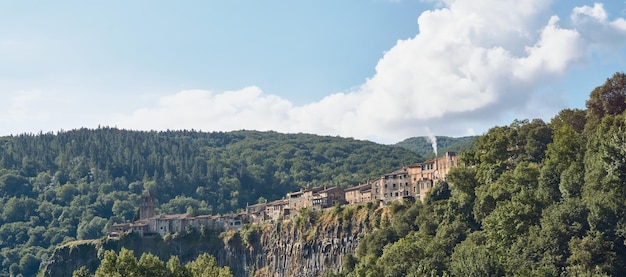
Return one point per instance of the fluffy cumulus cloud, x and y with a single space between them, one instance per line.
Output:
247 108
472 63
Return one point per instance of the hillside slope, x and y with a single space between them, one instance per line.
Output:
72 185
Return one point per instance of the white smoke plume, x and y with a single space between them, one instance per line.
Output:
433 142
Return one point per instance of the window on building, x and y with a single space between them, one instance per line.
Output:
394 186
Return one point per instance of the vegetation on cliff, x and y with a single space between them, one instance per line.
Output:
533 199
125 264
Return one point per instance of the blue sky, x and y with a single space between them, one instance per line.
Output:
369 69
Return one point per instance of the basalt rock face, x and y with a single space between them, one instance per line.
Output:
70 257
310 244
307 245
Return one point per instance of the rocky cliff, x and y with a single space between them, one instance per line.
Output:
307 245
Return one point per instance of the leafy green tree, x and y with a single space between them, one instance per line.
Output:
440 191
607 99
151 265
179 205
29 265
373 244
367 267
605 176
124 209
565 158
108 265
472 258
592 253
559 223
14 185
349 263
92 229
83 271
427 256
206 266
175 269
19 209
66 193
124 264
575 119
463 179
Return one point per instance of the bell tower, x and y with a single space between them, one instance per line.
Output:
148 204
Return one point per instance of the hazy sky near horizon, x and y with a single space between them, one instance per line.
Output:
380 70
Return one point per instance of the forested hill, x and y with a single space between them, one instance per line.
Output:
59 187
423 146
532 199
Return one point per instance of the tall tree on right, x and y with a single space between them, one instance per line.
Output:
607 99
604 186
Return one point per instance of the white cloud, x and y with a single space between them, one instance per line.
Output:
472 64
600 33
23 106
35 110
596 12
247 108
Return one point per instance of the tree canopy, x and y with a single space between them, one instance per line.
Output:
56 188
532 199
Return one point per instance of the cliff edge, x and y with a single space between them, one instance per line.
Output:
307 245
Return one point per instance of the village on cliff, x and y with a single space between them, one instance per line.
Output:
408 183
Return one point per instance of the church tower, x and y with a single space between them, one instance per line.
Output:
148 204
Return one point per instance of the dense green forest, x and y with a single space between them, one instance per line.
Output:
533 199
73 184
423 146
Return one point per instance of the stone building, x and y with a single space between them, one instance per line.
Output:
275 209
412 182
393 186
327 198
359 193
257 212
318 198
426 174
161 225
